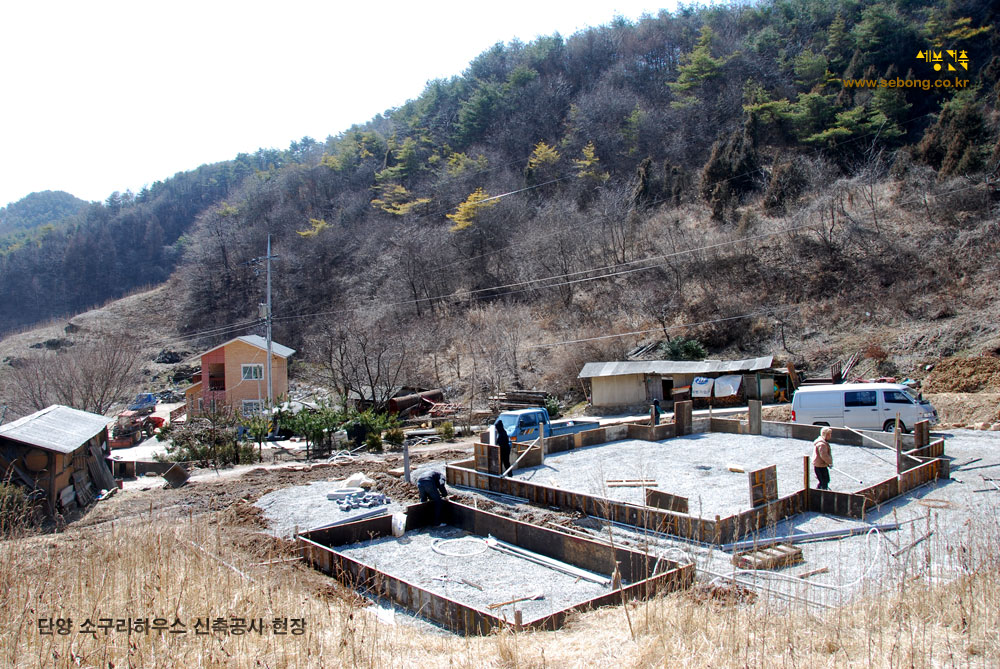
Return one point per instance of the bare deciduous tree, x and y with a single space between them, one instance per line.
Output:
364 354
92 377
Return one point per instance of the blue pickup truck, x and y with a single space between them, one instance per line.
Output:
522 424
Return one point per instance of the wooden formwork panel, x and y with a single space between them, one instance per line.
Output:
919 475
882 491
615 432
563 442
591 437
725 425
595 556
735 527
650 432
836 503
935 449
763 485
666 501
453 615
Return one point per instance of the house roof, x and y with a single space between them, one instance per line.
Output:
57 428
665 367
258 341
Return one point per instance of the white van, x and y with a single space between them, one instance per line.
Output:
863 406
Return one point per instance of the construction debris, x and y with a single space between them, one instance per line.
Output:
176 476
631 483
771 557
533 596
518 399
563 567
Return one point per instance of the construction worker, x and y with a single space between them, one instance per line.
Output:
823 458
503 441
431 487
654 413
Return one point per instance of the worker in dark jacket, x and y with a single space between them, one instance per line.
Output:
503 441
431 487
654 413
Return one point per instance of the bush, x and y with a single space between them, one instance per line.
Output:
374 442
14 509
210 440
446 430
553 407
680 348
394 436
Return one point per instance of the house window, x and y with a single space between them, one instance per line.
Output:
252 407
252 372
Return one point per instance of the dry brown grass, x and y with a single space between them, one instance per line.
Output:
205 566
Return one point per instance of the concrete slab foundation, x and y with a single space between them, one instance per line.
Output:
457 590
697 468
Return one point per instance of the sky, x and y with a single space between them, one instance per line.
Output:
107 96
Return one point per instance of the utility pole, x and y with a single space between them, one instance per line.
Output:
266 314
270 387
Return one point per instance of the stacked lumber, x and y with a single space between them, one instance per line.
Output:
769 557
518 399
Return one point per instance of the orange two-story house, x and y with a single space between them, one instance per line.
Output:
234 375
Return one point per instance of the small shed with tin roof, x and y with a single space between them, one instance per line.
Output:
57 453
632 383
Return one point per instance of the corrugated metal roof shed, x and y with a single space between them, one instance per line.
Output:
667 367
57 428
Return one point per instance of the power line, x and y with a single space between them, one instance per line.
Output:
761 312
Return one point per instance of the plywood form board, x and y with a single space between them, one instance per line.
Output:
664 500
725 425
836 503
763 485
742 524
881 491
682 417
935 449
919 475
563 442
651 432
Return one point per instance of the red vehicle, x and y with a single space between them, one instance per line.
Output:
132 427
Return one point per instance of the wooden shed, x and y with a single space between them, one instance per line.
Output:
57 453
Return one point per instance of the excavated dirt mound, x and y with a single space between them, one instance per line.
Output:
972 410
964 375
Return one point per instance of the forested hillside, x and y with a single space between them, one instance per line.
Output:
712 171
108 249
45 208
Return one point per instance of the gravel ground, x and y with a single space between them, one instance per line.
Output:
503 577
305 507
696 467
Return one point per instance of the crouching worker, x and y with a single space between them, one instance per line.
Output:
431 487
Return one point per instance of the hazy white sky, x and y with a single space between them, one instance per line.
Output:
105 95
